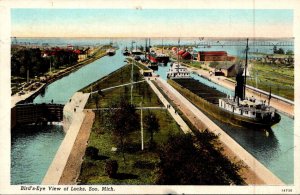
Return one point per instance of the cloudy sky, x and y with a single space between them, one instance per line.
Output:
151 22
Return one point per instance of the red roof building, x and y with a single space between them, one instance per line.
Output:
186 56
214 56
181 52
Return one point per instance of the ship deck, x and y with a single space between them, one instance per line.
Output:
208 93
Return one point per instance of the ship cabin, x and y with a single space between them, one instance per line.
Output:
250 107
178 71
146 73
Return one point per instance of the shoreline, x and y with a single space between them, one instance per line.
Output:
28 97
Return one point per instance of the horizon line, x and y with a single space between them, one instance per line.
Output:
142 37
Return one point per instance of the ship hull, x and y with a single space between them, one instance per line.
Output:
111 53
223 115
239 120
158 59
126 53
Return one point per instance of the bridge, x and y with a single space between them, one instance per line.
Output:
242 43
36 113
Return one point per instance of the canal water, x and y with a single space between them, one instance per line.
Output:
33 150
274 148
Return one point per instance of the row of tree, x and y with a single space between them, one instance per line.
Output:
281 51
31 59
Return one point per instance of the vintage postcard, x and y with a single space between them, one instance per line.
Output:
144 97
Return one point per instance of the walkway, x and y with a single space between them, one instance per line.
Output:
75 116
109 88
17 98
256 173
73 166
185 128
137 108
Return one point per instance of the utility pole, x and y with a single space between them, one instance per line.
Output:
162 43
50 63
142 129
131 81
256 80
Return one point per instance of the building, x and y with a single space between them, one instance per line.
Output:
227 70
214 56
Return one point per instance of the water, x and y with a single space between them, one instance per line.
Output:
274 148
33 150
32 153
62 90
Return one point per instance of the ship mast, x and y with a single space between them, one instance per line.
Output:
178 54
162 43
246 65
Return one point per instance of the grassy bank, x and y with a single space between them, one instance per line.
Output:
280 78
140 165
148 166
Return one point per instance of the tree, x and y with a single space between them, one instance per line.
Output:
92 152
275 49
289 52
152 126
187 160
111 168
122 120
278 51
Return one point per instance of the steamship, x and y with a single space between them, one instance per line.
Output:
248 110
177 71
238 110
111 52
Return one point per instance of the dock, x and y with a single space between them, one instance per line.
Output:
73 120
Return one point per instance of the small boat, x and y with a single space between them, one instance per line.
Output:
136 52
111 52
177 71
126 52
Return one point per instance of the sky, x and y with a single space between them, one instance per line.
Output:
151 22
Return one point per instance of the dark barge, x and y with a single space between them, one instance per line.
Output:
207 100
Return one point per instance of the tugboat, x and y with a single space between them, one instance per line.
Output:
245 110
177 71
126 52
136 52
111 52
